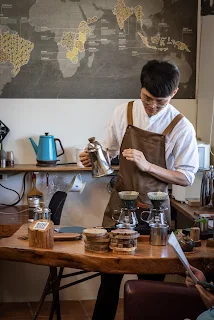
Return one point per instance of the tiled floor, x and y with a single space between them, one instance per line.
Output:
70 310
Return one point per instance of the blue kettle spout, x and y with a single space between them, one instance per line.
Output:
35 147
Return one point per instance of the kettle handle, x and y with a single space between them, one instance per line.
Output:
56 139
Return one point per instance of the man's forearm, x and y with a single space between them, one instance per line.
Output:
169 176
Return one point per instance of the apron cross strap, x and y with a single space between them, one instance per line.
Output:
129 113
168 129
172 124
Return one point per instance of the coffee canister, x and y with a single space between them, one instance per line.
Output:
158 234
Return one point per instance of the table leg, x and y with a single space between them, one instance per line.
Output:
56 279
52 286
42 299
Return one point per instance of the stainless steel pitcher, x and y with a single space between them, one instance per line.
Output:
207 195
158 234
100 160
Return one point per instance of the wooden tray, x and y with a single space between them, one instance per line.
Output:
60 237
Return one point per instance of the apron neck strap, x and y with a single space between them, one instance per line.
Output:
172 124
129 113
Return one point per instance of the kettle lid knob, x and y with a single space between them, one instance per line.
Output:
92 139
46 133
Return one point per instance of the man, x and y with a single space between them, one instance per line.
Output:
206 296
157 147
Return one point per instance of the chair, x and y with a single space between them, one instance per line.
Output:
56 205
160 300
53 282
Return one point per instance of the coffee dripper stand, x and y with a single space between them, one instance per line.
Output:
156 218
127 216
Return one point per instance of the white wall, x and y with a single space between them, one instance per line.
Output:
206 80
73 121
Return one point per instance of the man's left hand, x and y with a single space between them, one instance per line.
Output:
206 296
137 157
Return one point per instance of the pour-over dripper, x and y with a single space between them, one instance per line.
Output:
127 216
128 198
157 199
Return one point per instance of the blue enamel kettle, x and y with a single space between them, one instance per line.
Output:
46 151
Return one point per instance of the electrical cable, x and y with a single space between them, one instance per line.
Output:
211 130
20 197
11 190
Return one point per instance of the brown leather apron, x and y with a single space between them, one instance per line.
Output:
130 177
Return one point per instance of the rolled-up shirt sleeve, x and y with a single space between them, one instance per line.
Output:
110 141
185 153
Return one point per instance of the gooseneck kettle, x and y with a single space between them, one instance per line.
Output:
100 161
46 151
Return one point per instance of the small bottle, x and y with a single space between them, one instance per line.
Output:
10 159
2 159
37 213
46 213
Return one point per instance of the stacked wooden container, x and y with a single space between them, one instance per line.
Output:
123 241
96 240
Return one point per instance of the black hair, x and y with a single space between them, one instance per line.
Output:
160 78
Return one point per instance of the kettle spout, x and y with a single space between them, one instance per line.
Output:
35 147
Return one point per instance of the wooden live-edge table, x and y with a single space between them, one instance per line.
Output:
146 260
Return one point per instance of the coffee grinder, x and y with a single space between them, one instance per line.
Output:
127 216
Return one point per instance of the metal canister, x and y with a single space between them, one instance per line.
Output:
203 225
37 213
158 234
33 202
46 214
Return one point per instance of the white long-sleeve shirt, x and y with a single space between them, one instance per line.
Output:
180 145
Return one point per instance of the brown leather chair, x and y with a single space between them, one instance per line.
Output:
160 300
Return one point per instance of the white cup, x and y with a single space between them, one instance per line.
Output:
79 149
77 185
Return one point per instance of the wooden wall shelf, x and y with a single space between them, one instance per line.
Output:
35 168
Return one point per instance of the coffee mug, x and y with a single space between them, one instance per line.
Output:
77 185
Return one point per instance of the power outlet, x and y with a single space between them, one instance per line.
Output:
3 177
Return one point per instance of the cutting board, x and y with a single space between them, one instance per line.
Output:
60 237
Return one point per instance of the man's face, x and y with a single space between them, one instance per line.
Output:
153 104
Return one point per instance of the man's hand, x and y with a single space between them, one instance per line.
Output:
206 296
137 157
198 273
85 158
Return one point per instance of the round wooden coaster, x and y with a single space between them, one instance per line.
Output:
123 245
123 232
94 232
125 237
120 252
122 249
191 252
97 240
96 247
97 251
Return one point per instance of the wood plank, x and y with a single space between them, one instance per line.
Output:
186 210
58 168
146 260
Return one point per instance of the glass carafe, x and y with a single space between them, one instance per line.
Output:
127 218
157 212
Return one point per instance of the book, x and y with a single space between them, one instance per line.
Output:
176 246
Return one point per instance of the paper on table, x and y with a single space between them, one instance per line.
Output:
176 246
